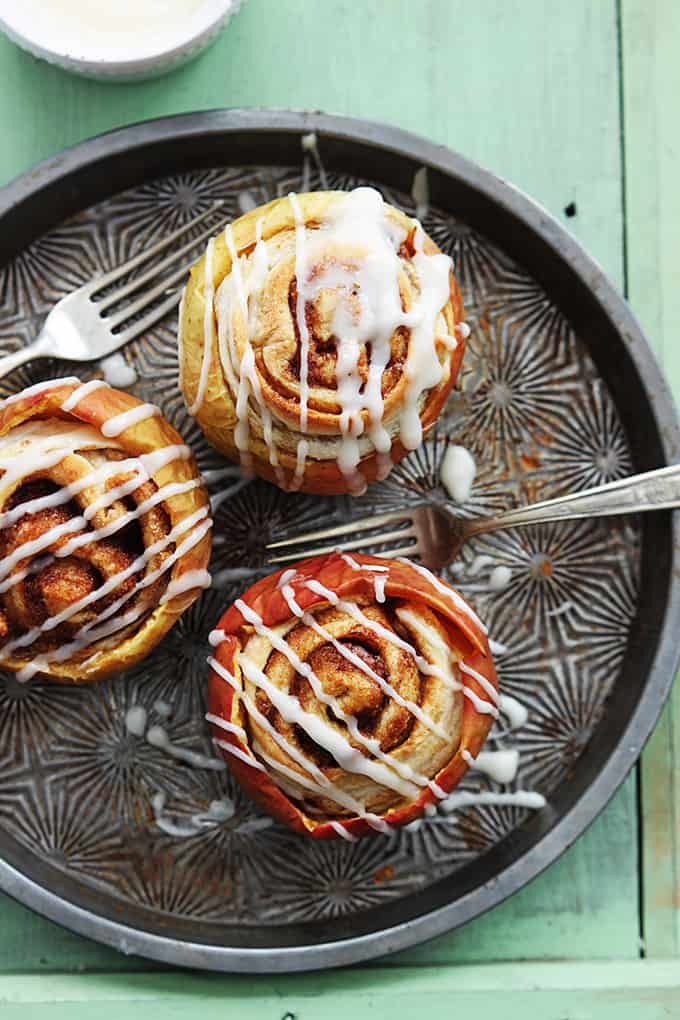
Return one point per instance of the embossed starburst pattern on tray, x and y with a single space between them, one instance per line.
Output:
76 786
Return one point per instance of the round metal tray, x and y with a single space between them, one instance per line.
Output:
559 390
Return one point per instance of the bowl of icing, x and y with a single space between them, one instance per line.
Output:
126 40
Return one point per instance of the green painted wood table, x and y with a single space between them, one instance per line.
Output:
577 104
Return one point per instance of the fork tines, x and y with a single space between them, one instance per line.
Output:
167 286
365 540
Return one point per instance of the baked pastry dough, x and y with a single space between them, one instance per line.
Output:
104 530
350 694
319 338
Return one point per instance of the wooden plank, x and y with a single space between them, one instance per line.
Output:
640 990
29 942
532 95
650 42
584 907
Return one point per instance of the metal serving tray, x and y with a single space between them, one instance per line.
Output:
559 390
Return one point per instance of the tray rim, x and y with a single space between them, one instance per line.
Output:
84 155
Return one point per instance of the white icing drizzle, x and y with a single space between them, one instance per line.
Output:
430 635
228 727
301 279
353 610
478 564
90 633
111 584
33 547
423 369
368 310
65 651
300 461
343 832
406 781
187 581
500 766
351 562
449 341
518 798
218 811
31 391
255 824
483 707
513 710
208 296
135 720
117 372
457 473
81 392
248 381
444 589
321 732
372 745
146 465
293 781
143 468
120 422
499 578
118 492
162 708
286 577
497 648
158 737
485 684
249 759
319 782
34 447
379 582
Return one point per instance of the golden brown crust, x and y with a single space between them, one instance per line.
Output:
274 335
63 581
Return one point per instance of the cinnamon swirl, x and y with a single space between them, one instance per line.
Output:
319 338
349 694
104 530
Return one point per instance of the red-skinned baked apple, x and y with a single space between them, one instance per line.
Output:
349 694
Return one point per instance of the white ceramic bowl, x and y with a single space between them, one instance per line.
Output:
181 30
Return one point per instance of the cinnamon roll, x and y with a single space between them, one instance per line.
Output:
104 530
319 338
349 695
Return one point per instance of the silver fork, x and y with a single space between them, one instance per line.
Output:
78 328
435 535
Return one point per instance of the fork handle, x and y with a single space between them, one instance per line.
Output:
653 490
38 349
